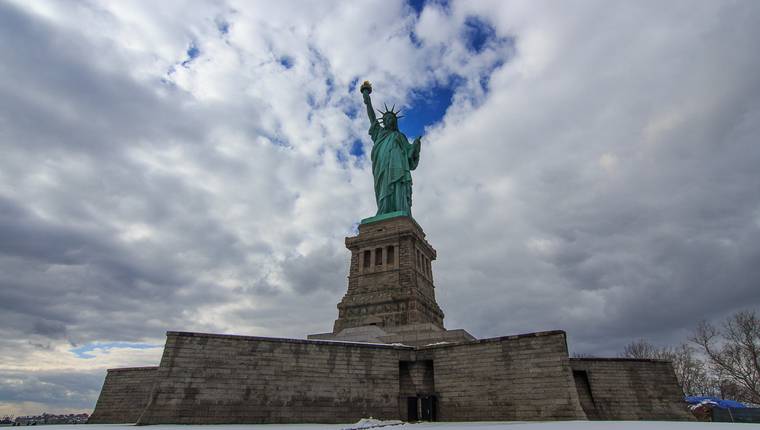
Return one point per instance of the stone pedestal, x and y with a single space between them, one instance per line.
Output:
391 296
390 281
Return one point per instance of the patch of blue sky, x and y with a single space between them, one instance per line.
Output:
415 40
506 47
192 53
286 62
353 85
357 148
353 111
427 108
477 33
85 351
311 101
419 5
279 141
342 158
355 153
223 26
485 79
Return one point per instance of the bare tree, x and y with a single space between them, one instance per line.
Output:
642 349
691 372
689 369
583 355
733 353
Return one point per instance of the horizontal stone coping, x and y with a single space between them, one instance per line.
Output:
498 339
420 328
130 369
381 220
386 216
369 344
286 340
642 360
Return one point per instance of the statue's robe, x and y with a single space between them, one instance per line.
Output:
393 157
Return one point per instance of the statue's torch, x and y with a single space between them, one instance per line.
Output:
366 88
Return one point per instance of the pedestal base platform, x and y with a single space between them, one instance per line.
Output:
411 335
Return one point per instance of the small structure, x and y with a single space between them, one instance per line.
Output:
709 408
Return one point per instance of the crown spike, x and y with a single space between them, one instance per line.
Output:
393 108
386 106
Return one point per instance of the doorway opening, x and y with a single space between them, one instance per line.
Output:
411 407
421 408
428 408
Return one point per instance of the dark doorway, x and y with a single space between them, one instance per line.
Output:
411 409
585 395
428 408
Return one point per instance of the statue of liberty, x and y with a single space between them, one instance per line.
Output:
393 158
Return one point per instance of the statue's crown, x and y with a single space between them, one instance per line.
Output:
391 111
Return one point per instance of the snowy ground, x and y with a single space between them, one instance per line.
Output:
563 425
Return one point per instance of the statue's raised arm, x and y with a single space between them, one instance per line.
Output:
366 90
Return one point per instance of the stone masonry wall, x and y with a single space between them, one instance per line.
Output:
525 377
124 395
389 292
631 389
223 379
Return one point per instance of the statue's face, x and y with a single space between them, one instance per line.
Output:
390 121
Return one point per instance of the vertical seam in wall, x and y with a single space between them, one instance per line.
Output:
155 389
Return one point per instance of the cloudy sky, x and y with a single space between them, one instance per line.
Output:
591 166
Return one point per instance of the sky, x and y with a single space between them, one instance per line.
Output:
589 166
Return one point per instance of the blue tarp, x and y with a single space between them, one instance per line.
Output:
721 403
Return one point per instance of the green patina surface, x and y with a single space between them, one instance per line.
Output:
393 159
385 216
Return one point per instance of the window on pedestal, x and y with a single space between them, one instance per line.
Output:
390 255
367 259
379 257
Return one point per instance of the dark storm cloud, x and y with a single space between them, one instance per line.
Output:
25 236
41 261
56 389
51 329
324 269
75 117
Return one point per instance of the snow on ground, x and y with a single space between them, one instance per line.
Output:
371 423
554 425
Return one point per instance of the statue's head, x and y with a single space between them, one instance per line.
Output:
390 118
